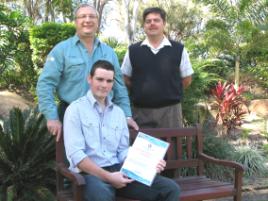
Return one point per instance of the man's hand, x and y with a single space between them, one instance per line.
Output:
118 180
132 123
160 166
55 128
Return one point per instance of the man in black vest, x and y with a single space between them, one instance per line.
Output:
156 71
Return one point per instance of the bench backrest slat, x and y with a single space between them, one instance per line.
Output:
184 145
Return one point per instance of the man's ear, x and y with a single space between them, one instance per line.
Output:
89 79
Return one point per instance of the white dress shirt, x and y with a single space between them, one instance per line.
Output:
185 65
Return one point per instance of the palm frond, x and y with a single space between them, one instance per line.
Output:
27 154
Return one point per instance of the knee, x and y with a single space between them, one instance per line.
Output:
97 190
174 190
101 195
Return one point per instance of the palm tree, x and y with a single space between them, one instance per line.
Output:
26 157
234 26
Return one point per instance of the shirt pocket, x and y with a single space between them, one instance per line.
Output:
74 69
113 136
90 131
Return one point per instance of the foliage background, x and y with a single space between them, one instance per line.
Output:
226 40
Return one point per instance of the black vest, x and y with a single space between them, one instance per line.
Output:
156 78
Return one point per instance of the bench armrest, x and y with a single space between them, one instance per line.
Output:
75 178
226 163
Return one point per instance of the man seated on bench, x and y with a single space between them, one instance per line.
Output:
96 140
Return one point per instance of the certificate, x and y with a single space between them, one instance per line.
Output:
143 157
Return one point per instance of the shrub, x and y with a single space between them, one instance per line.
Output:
119 48
229 105
252 159
16 67
202 80
44 37
218 148
26 157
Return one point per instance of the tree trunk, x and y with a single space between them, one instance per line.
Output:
237 66
130 19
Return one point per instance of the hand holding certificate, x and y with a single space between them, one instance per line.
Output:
143 157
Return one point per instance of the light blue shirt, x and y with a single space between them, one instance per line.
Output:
65 72
102 136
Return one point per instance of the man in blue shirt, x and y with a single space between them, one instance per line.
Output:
96 140
68 65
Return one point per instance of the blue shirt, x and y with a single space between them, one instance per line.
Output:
65 72
90 132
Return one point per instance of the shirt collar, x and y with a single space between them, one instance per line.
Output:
76 39
164 42
93 102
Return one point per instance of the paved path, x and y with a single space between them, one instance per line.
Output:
255 195
9 100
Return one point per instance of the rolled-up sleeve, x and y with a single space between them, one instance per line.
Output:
74 140
48 82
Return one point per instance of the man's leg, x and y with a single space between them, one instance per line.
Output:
97 190
162 189
168 189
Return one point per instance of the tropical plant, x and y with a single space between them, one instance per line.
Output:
252 159
26 157
233 27
219 148
119 48
229 102
196 92
16 66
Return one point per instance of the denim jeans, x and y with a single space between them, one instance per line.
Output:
162 189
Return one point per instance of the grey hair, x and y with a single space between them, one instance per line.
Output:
83 5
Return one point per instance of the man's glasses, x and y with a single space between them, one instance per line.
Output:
83 17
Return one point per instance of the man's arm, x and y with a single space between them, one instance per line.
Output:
186 81
120 91
46 85
121 97
186 69
116 179
127 81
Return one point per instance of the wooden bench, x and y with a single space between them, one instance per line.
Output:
185 151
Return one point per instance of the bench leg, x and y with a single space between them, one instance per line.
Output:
3 193
237 197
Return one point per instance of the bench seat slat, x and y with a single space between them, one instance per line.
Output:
209 184
209 193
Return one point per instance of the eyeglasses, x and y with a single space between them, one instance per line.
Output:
83 17
156 20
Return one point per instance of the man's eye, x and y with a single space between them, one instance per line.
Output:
109 81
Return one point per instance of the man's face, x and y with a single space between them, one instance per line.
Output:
154 25
101 83
86 22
